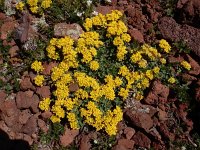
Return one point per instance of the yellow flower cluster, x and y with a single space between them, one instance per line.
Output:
60 108
102 20
86 81
55 119
111 120
46 4
139 56
73 120
94 117
59 73
44 104
137 80
58 111
163 60
87 45
186 65
119 30
62 83
94 65
39 79
171 80
20 6
124 93
114 26
165 45
86 92
68 52
107 90
35 5
70 55
37 66
81 94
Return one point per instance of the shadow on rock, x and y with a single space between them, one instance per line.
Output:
8 144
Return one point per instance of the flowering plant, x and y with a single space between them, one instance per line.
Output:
105 69
35 6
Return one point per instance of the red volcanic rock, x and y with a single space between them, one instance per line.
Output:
24 99
26 84
142 140
136 35
139 119
68 137
31 126
129 132
44 91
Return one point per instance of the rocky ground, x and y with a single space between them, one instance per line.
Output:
160 121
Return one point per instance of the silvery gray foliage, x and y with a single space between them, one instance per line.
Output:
9 6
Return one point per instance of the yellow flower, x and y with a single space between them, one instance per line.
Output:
163 60
111 119
44 104
34 9
123 93
53 41
93 115
149 74
114 15
99 20
66 78
124 71
37 66
69 104
32 3
88 24
136 75
81 94
109 92
118 81
55 119
111 129
39 79
139 96
58 111
60 102
94 65
126 37
121 52
172 80
96 94
136 57
93 51
62 92
156 70
72 120
145 83
116 28
186 65
87 57
142 63
56 73
20 6
118 41
164 45
46 4
110 81
51 52
139 85
84 104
